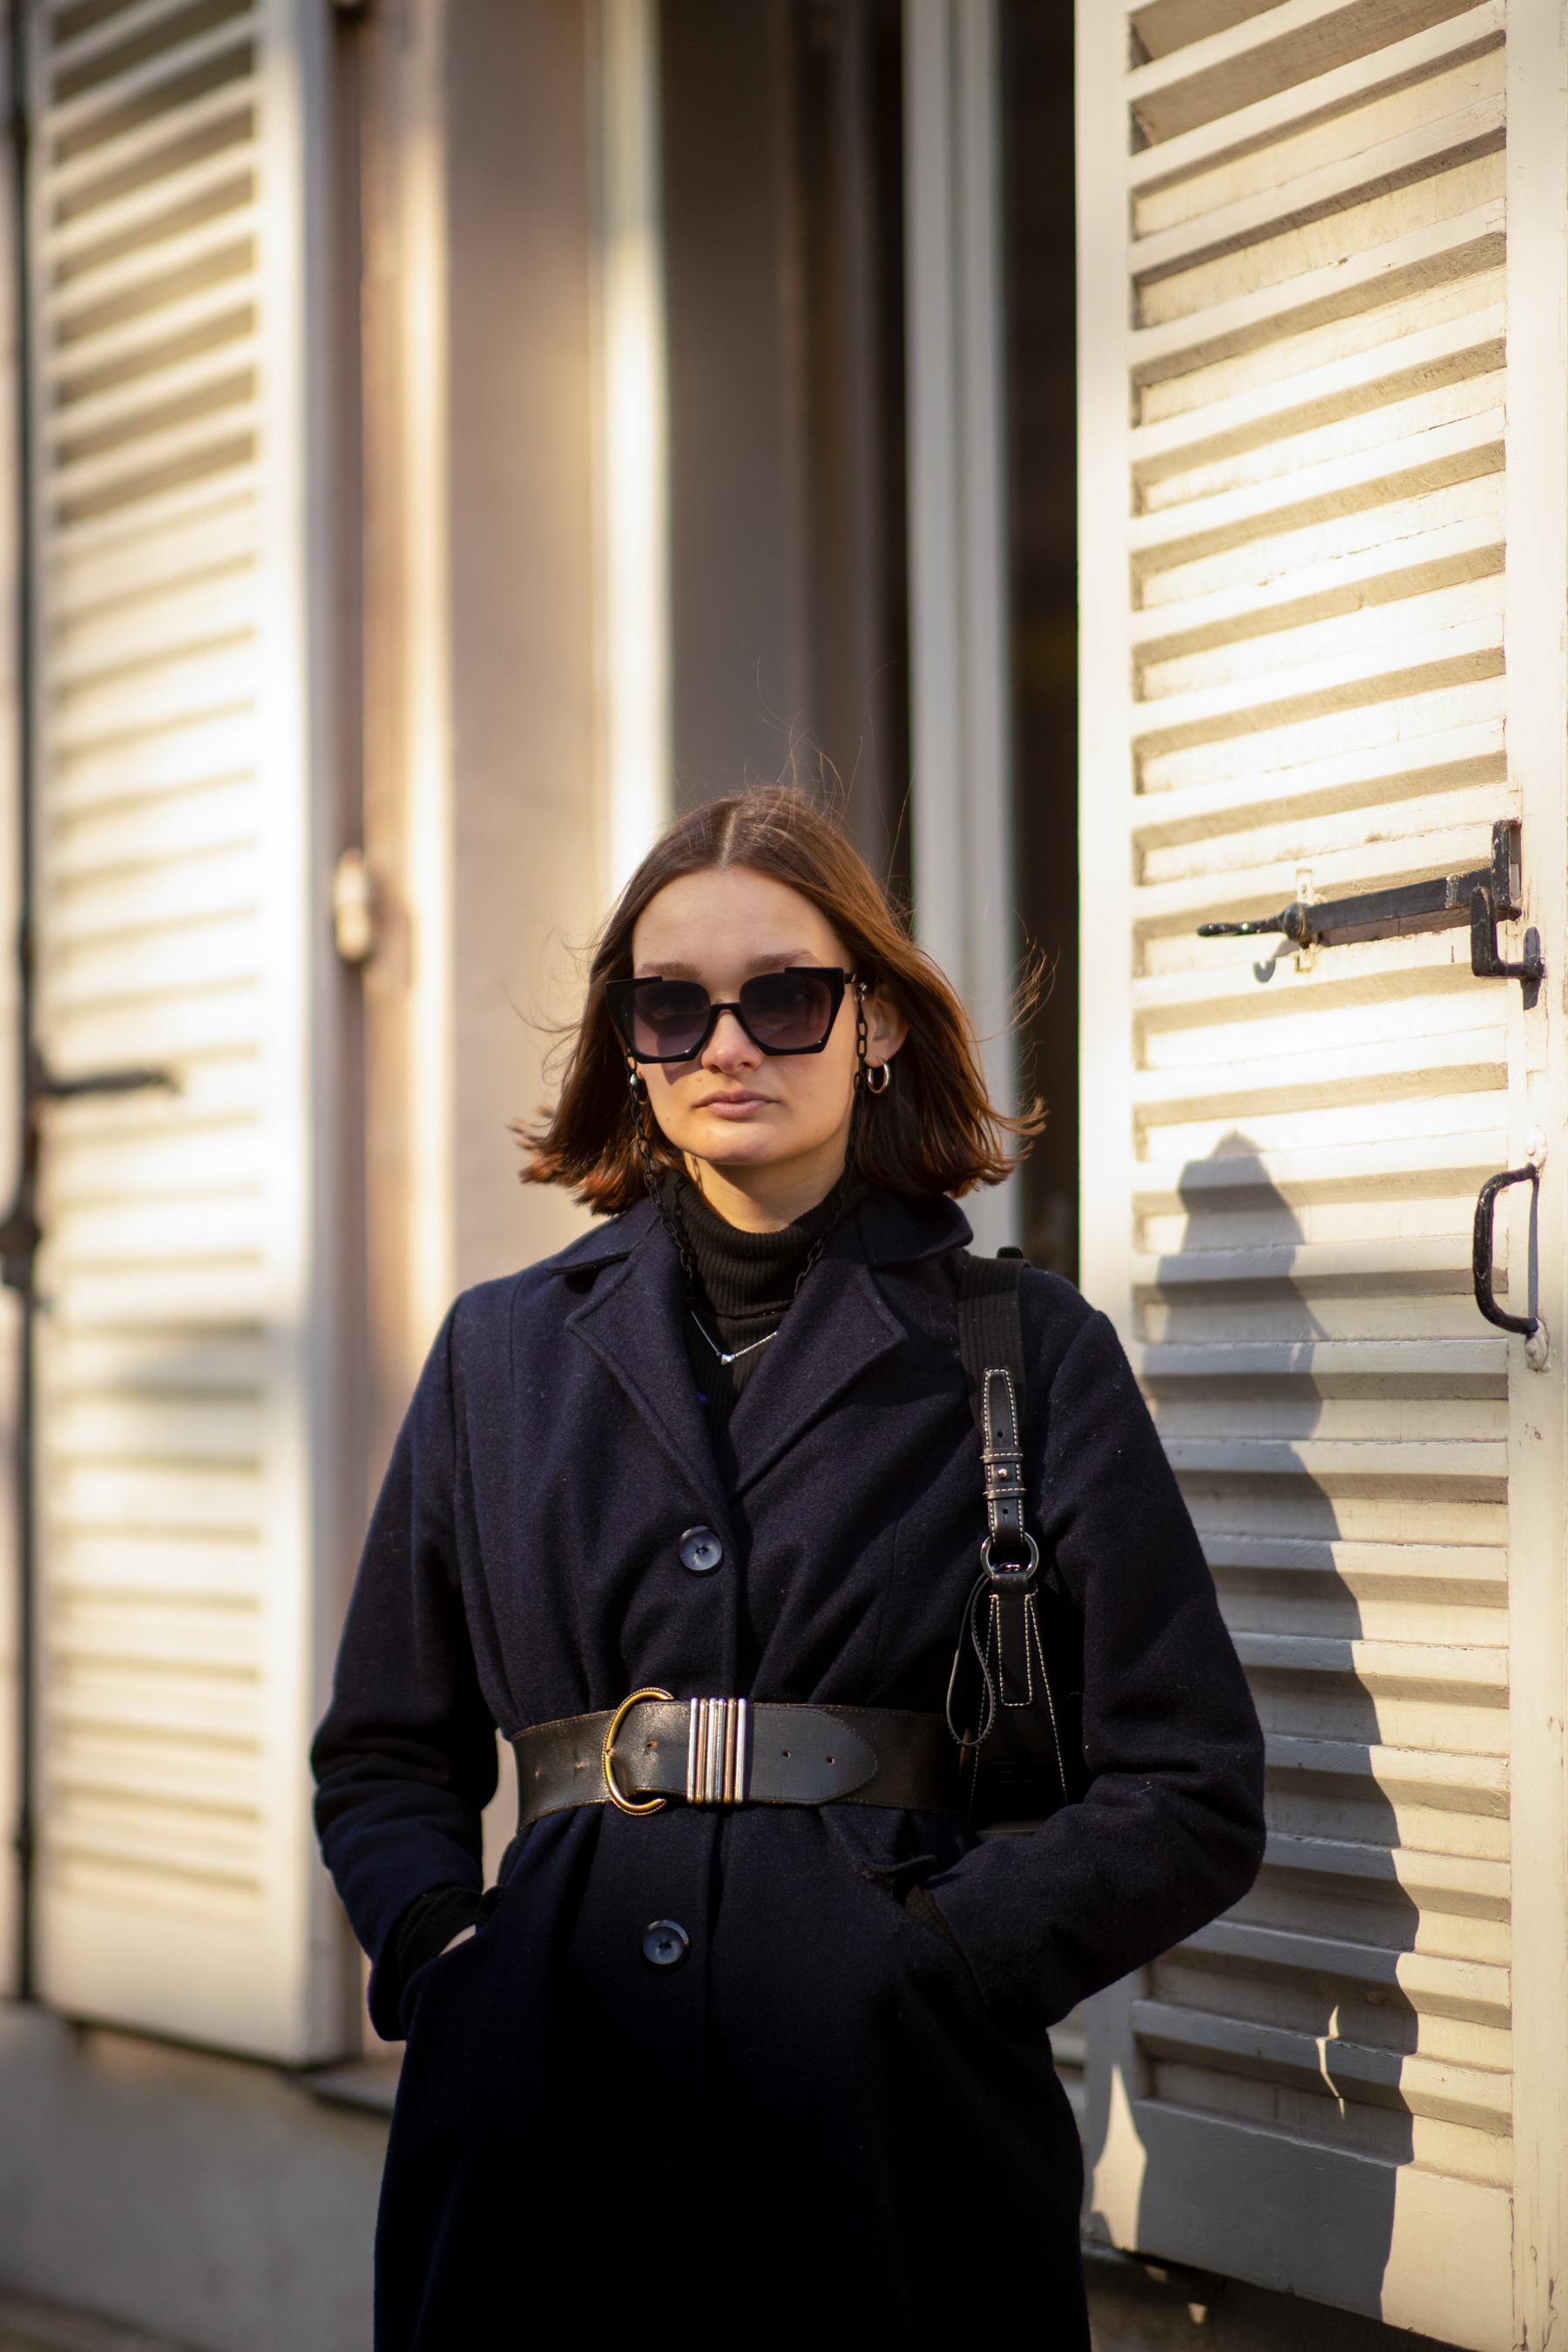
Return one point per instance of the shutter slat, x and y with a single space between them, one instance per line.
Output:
153 88
1469 133
1274 52
1269 122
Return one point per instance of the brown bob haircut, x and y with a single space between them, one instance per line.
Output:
933 1129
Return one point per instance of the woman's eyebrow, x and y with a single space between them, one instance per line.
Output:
670 968
784 956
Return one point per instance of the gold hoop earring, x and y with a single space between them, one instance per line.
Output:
883 1070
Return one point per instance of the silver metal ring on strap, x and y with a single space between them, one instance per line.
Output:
716 1752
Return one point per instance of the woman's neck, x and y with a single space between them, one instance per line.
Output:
764 1200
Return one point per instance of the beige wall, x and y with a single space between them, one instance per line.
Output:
523 626
479 709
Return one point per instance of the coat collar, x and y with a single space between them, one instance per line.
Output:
897 1229
837 1330
894 1229
603 1244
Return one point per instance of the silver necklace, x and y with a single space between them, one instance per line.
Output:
736 1353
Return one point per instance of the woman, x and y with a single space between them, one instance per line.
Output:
748 2065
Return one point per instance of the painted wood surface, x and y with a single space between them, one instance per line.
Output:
187 1432
1323 589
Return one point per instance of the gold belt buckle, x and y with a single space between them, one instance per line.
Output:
625 1804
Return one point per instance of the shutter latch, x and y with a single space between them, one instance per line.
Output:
20 1231
1482 898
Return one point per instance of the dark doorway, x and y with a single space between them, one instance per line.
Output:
1039 214
784 259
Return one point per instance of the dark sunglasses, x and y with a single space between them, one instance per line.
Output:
788 1011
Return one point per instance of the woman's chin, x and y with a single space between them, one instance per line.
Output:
735 1145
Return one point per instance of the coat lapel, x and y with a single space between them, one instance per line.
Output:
836 1329
839 1326
833 1335
632 1323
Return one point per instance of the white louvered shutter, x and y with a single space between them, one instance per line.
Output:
1322 654
186 1422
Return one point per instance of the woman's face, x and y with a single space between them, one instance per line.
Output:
735 1108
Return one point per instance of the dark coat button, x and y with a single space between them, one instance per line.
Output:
665 1944
701 1551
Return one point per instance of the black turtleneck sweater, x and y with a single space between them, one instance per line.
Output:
744 1286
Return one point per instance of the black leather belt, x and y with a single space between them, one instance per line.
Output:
721 1753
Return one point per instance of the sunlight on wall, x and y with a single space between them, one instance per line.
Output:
1119 2174
958 628
427 692
632 467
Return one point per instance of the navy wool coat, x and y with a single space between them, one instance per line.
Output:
831 2115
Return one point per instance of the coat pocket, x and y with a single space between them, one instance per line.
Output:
892 1851
892 1855
435 1972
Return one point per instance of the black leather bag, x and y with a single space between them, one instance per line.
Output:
1014 1701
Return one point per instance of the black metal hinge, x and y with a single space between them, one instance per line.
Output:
1481 898
20 1231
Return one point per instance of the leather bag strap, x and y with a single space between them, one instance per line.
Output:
991 1343
990 1326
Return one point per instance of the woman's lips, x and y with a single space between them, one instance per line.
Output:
733 1106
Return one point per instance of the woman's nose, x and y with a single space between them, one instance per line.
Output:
729 1048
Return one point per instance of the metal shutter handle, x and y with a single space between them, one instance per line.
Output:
1530 1327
